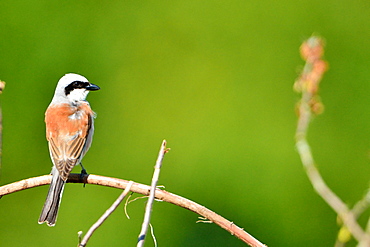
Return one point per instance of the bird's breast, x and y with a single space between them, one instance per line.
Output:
65 120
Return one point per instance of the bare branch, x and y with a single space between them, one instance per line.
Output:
140 189
149 204
105 215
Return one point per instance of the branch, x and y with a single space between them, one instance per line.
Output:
105 215
140 189
308 85
2 86
149 204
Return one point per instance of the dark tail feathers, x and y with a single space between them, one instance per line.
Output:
49 212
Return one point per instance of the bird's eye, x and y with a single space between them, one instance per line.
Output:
77 84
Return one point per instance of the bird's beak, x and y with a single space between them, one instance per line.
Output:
92 87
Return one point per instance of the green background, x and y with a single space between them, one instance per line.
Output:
214 78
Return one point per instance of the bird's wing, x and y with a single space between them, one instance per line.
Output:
66 155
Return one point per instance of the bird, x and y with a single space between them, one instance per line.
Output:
69 123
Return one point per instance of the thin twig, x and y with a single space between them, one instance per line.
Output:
362 205
308 85
152 234
140 189
2 86
105 215
125 206
149 205
344 235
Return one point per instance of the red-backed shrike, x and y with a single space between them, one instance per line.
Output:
69 130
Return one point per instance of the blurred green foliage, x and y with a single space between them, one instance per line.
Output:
215 79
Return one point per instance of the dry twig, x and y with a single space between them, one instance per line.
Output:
105 215
148 209
140 189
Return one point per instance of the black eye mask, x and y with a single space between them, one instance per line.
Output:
75 85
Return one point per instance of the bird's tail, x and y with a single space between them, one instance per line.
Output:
49 212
